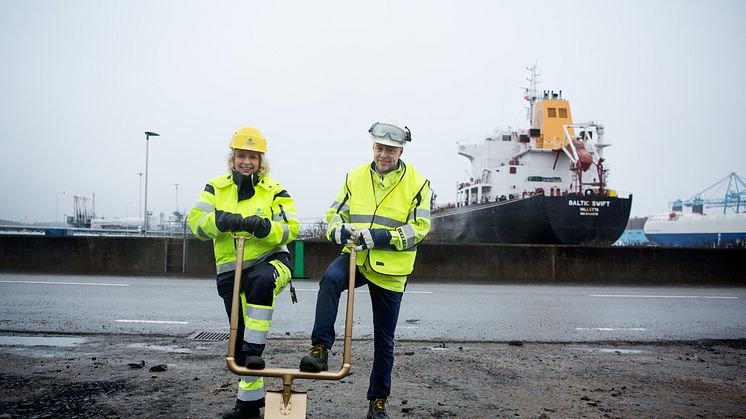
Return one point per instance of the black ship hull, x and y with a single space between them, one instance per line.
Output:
535 220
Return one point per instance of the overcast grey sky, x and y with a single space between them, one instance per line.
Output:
81 81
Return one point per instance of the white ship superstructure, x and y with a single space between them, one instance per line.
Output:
546 184
703 220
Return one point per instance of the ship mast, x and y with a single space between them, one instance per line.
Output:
531 94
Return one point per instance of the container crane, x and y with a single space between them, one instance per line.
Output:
734 197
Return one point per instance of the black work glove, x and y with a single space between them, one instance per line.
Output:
257 226
373 237
228 221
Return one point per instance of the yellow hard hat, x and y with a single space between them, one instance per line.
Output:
249 138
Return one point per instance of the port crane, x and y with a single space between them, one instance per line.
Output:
733 199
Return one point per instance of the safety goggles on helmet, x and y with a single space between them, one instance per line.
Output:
382 130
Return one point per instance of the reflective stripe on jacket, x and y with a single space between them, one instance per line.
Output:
270 201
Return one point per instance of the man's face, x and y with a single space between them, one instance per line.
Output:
246 162
386 157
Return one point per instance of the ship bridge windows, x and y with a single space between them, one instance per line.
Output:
555 179
506 137
553 112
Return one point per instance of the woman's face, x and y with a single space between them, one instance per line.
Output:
246 162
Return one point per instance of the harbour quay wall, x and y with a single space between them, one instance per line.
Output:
484 263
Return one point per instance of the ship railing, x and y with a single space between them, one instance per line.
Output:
62 230
486 200
526 194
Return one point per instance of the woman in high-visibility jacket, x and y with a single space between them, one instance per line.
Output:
246 201
383 208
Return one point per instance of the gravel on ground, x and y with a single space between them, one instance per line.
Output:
146 376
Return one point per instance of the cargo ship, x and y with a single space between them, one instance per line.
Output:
704 220
543 185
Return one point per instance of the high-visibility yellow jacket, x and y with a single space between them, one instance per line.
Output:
398 201
269 200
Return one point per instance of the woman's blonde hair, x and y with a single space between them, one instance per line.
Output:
263 163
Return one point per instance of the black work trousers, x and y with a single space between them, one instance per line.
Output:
258 284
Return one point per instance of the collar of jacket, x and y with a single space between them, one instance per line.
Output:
399 166
245 184
386 179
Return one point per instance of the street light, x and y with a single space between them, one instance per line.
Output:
177 196
57 195
139 195
148 134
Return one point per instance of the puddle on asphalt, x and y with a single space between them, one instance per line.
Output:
611 350
160 348
620 351
41 341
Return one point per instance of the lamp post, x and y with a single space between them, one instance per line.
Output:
139 197
177 196
148 134
57 195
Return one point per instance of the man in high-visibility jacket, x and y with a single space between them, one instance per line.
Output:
246 201
384 209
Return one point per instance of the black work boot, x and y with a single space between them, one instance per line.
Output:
240 412
254 362
377 409
316 361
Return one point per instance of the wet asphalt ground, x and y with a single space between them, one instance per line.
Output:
430 311
126 347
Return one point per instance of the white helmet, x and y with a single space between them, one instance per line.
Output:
389 132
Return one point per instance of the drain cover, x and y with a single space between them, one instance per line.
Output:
210 336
